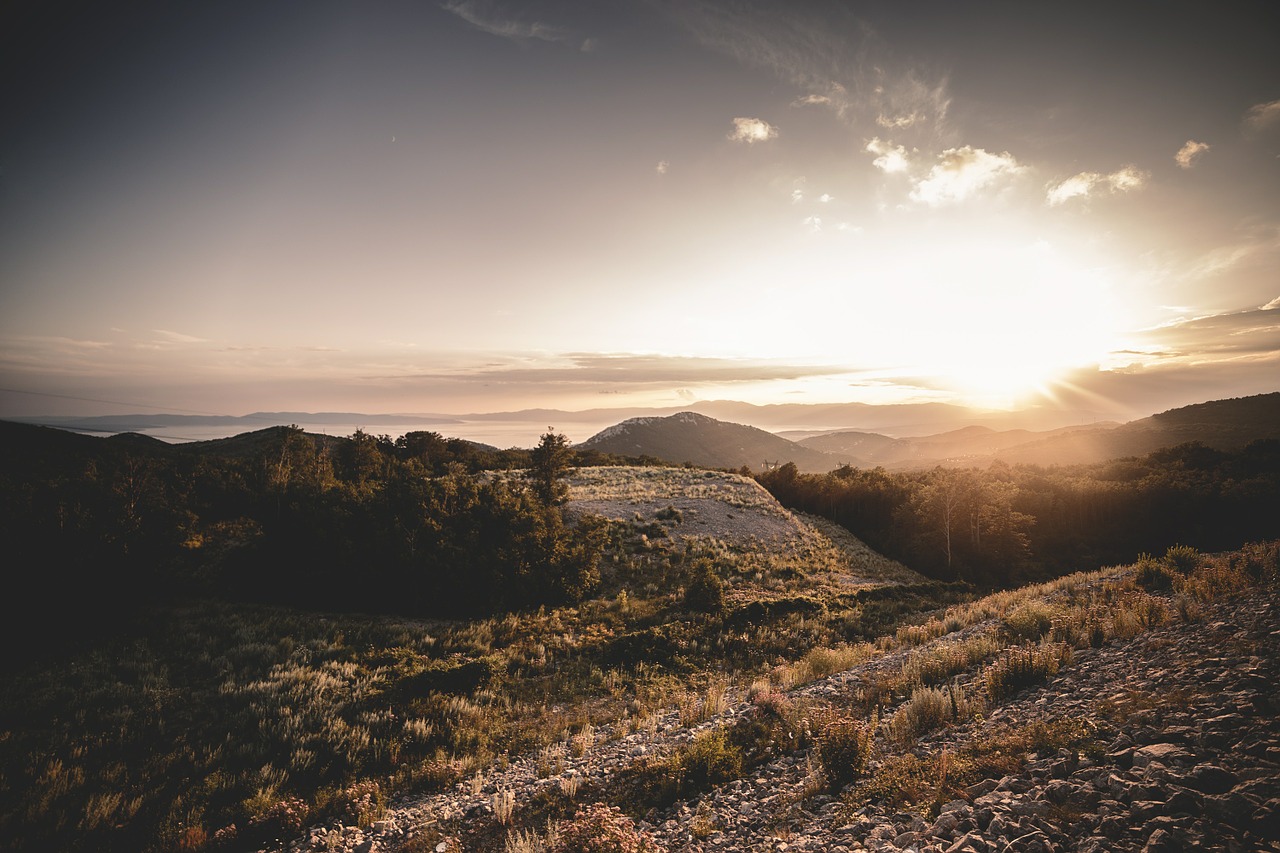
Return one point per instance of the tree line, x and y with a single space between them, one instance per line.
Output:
100 529
1006 525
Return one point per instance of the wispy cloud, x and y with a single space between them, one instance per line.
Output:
496 20
907 101
662 167
812 100
1261 116
810 47
177 337
1251 333
890 158
1190 152
1086 184
752 130
626 369
961 173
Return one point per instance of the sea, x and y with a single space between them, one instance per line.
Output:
498 433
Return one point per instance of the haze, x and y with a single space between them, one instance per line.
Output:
480 206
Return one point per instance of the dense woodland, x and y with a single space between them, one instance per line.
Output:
1006 525
420 525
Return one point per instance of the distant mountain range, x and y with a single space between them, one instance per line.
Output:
895 437
702 440
256 420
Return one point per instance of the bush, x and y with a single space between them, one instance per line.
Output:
708 760
1153 575
705 592
1183 559
599 828
928 708
1023 666
1029 622
843 747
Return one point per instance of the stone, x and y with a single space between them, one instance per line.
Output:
1162 841
1165 753
1211 779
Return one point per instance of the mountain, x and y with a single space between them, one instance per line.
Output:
690 437
1221 424
702 440
966 446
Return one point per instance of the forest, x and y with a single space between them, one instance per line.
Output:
421 525
1007 525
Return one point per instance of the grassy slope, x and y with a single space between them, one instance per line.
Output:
210 714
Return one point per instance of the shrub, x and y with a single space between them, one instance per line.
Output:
843 747
599 828
1023 666
364 802
705 592
708 760
928 708
1029 622
1182 558
1153 575
1261 561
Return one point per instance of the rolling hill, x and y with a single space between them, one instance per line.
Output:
690 437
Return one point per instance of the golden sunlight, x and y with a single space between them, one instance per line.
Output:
990 321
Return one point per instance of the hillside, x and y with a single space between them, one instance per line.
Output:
966 446
690 437
1220 424
1099 713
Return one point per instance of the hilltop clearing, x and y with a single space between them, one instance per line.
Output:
736 518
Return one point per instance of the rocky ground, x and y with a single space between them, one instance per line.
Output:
1185 728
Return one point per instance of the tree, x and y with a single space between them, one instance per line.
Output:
548 463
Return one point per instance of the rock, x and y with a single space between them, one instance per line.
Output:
1266 819
1183 801
969 843
1161 841
944 825
1058 791
1165 753
977 789
1211 779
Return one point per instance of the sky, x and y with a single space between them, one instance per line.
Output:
482 205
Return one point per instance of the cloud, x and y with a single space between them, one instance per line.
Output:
1251 333
890 158
627 369
906 101
1261 116
826 51
752 130
1086 184
962 172
812 100
1190 152
490 18
177 337
662 167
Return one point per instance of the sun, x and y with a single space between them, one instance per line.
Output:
991 321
